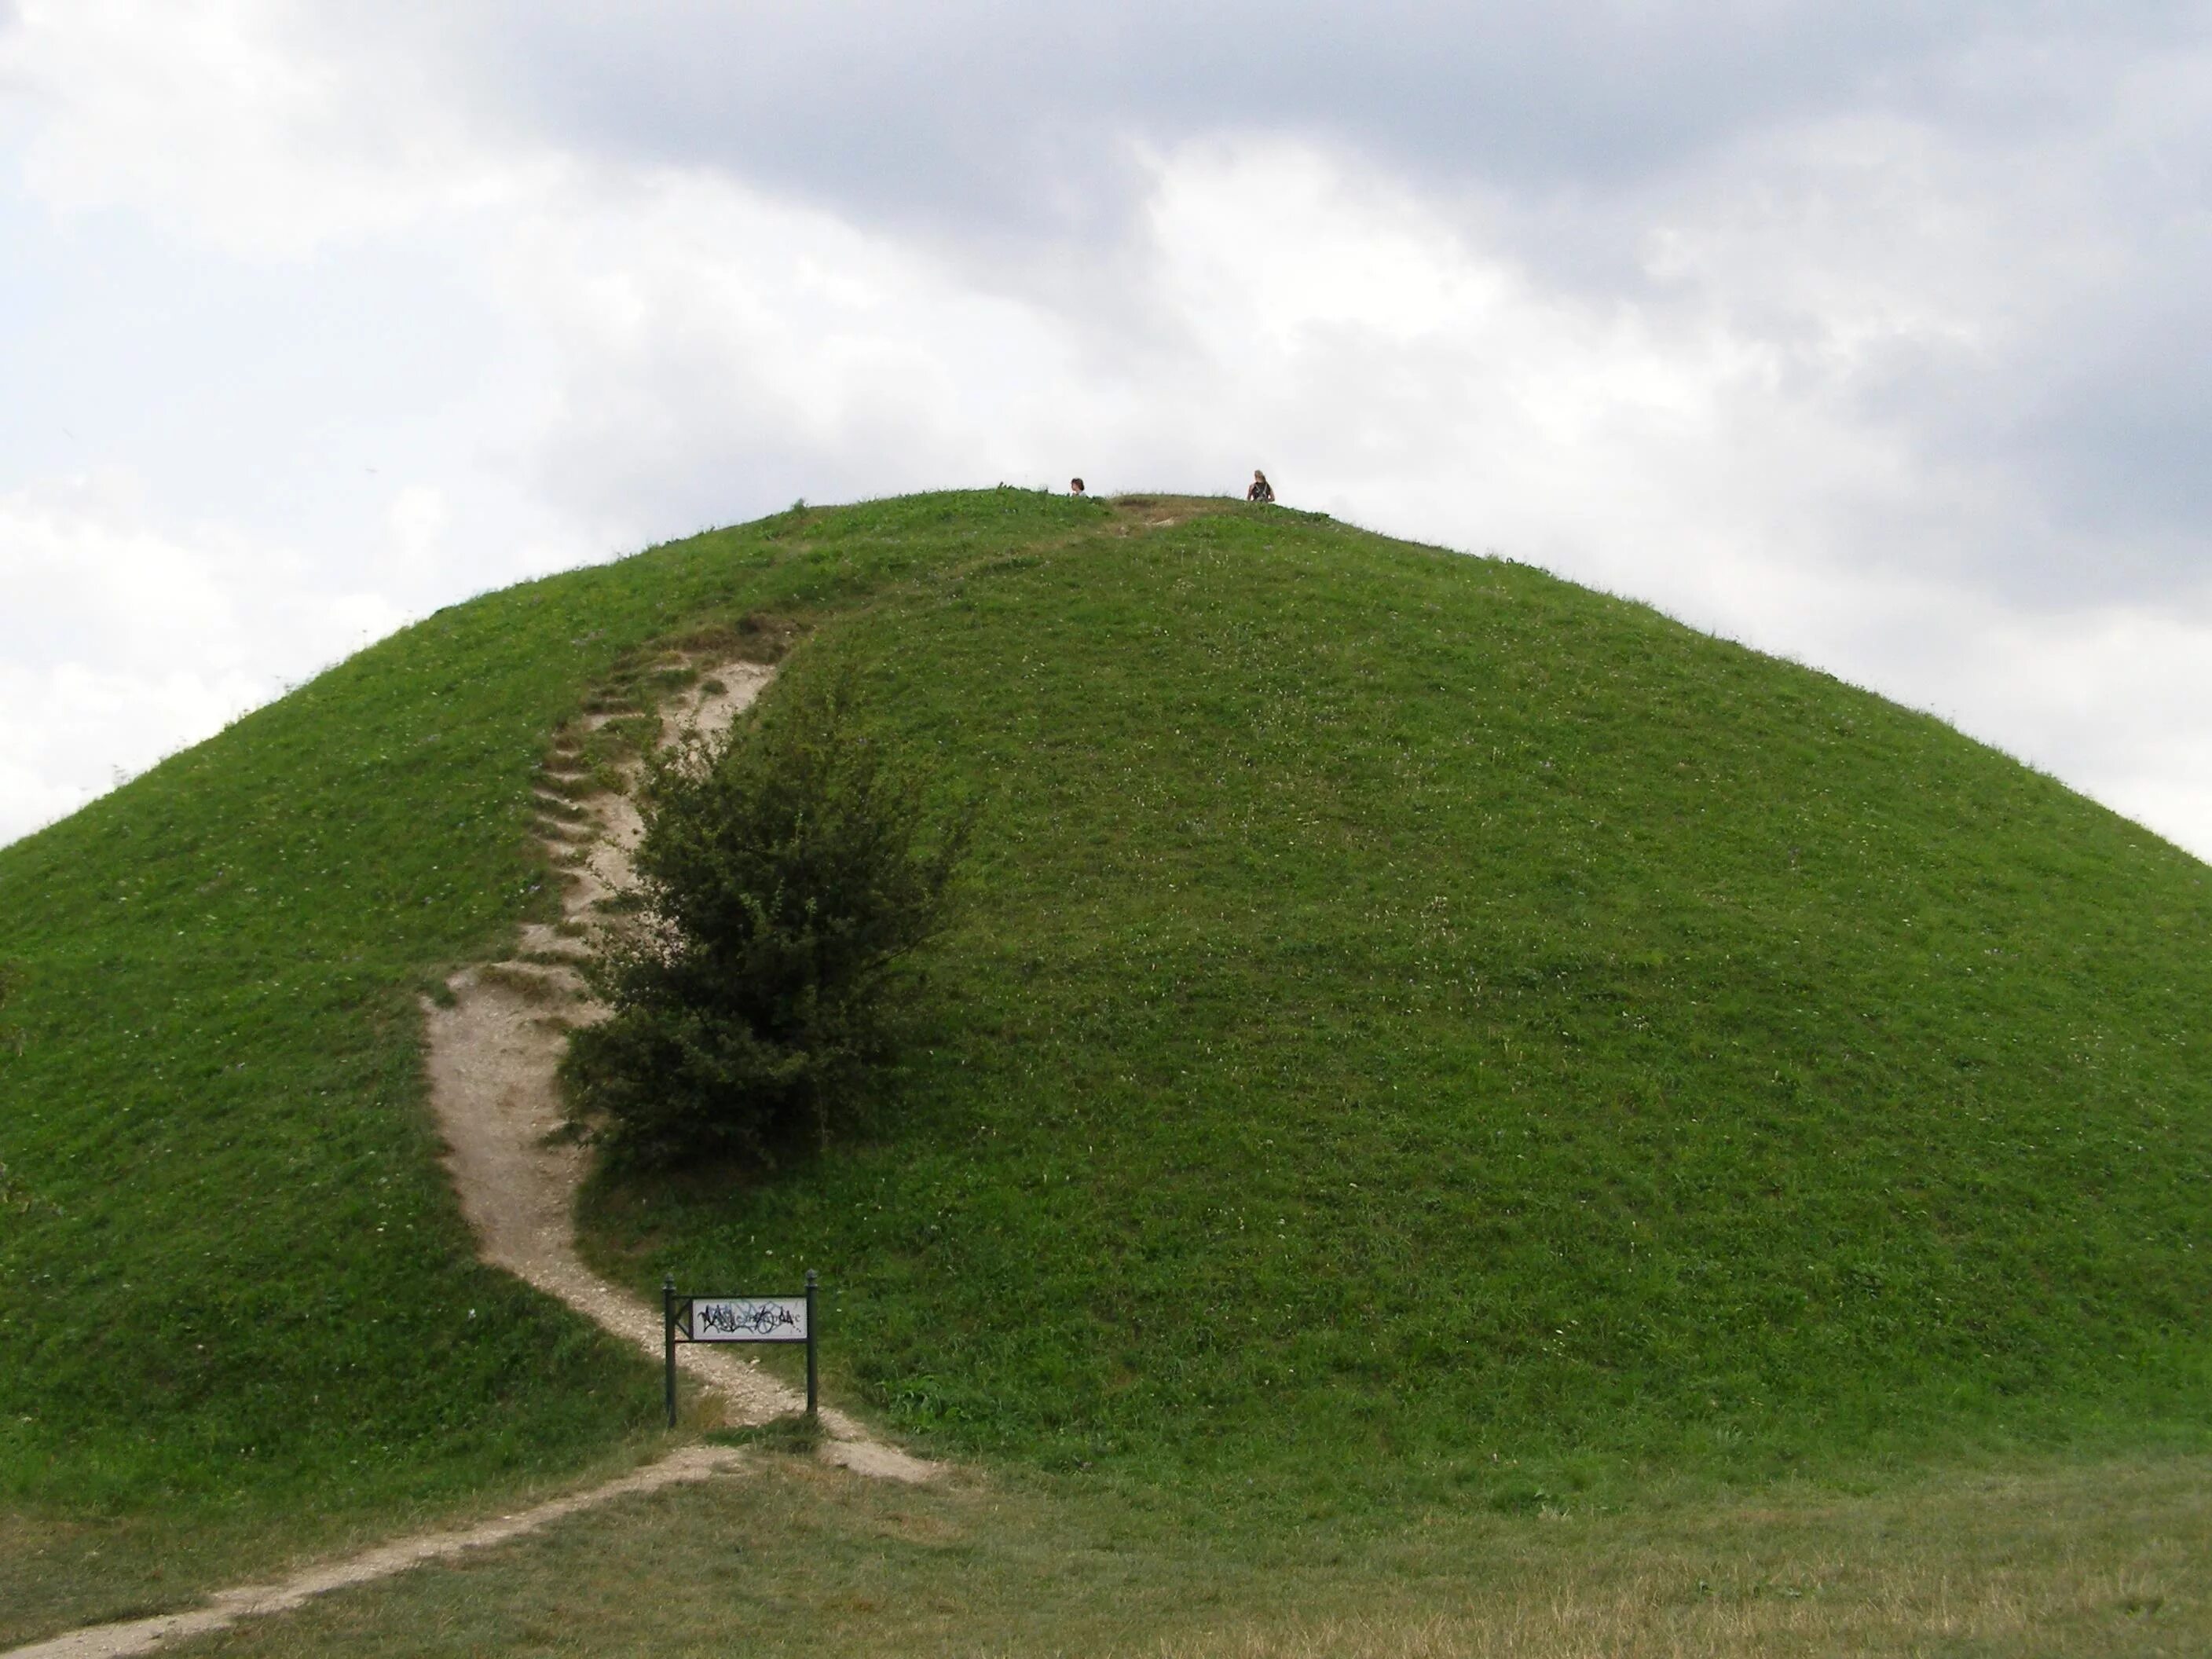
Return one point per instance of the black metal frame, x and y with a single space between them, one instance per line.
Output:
671 1322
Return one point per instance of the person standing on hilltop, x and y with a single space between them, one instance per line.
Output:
1261 490
1075 486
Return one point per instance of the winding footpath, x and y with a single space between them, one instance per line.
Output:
491 1062
493 1054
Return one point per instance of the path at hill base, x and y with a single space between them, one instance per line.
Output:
227 1608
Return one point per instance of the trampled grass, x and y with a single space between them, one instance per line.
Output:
1423 1036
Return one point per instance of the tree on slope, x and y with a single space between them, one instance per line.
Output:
789 871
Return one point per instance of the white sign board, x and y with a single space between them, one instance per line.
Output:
749 1319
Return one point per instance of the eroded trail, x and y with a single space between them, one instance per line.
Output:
493 1054
492 1057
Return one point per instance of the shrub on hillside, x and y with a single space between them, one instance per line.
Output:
787 872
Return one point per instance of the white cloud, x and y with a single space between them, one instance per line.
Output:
122 642
709 345
2114 701
247 123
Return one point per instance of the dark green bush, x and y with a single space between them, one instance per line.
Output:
789 871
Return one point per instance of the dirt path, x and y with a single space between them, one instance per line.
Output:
227 1608
492 1058
491 1061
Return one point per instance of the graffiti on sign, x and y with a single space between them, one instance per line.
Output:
734 1319
745 1319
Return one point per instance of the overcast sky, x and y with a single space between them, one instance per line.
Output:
1872 334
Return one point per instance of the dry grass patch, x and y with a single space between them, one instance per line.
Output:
796 1559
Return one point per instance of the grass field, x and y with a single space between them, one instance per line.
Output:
802 1560
1424 1040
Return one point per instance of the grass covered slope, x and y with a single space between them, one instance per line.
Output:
1409 1009
1414 1012
238 1311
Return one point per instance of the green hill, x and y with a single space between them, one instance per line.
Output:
1419 1030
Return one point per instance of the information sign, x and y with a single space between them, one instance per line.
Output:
735 1319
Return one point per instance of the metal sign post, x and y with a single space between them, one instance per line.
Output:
734 1319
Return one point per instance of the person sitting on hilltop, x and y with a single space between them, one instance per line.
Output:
1075 486
1261 490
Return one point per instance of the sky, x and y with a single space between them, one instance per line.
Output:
1873 335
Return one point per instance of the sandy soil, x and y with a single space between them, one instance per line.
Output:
491 1061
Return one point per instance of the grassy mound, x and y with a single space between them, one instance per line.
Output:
239 1311
1410 1012
1417 1016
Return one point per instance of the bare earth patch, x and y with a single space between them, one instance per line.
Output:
492 1059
